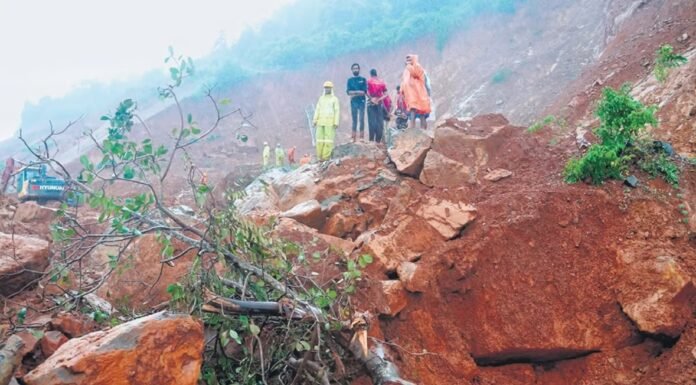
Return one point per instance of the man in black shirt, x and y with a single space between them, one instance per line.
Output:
356 89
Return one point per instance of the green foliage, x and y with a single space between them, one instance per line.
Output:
599 164
319 30
623 119
659 164
501 76
235 258
666 59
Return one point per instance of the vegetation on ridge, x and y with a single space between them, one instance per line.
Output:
622 143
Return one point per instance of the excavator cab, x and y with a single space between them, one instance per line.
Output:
33 183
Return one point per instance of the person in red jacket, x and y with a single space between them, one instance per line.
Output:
376 93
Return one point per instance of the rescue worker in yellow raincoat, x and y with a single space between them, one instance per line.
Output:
266 154
325 120
279 156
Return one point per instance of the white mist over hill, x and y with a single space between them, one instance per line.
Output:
50 47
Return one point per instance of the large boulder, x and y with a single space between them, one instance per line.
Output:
441 171
311 240
160 349
295 187
448 218
140 280
22 261
657 295
259 199
409 150
473 143
36 217
408 241
308 213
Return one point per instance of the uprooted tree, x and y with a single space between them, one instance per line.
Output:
286 327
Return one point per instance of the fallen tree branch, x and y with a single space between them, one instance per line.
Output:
378 367
221 305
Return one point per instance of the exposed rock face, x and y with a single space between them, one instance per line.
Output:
441 171
308 213
656 294
549 276
409 150
448 218
163 348
22 260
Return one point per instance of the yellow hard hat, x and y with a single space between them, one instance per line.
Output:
328 84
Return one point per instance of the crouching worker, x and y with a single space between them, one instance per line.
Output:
325 120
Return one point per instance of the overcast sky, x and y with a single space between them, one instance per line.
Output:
49 46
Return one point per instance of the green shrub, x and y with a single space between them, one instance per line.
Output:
622 119
665 59
599 163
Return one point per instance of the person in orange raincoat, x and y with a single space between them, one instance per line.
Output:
414 91
291 155
306 159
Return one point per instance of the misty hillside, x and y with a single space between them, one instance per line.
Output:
541 230
302 34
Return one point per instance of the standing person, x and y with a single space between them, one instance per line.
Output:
291 155
279 156
415 92
326 117
401 112
388 108
306 159
376 92
356 89
266 154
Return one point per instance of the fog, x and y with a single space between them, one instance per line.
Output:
50 47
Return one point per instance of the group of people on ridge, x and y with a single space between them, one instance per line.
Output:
413 102
280 156
371 95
